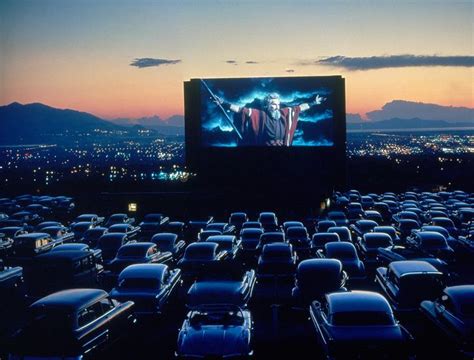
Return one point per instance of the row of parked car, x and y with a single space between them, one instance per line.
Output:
218 269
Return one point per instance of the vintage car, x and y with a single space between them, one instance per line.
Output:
227 243
384 210
204 234
216 331
288 224
452 241
198 260
27 246
299 238
320 239
368 246
250 238
171 243
276 260
59 270
80 228
359 324
270 238
390 230
405 214
39 209
432 244
127 229
339 217
447 223
11 232
269 221
176 227
27 217
138 253
119 219
149 286
238 219
110 244
44 224
252 225
346 253
373 215
11 284
367 202
343 232
195 226
407 283
317 277
354 211
92 236
224 228
228 288
405 227
323 225
361 227
6 245
80 247
91 218
151 225
71 324
59 233
452 314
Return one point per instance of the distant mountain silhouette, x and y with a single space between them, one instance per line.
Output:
407 124
35 123
402 109
171 126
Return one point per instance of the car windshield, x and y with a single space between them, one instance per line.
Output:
361 318
139 283
228 318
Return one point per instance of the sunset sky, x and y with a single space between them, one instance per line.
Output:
78 54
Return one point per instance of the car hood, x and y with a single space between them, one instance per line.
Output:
215 340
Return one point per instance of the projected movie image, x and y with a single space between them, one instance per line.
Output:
267 112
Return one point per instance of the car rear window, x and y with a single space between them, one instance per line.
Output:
361 318
139 283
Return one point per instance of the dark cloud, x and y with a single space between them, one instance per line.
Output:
290 70
392 61
148 62
233 62
251 62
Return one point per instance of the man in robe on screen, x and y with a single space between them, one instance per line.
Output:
271 126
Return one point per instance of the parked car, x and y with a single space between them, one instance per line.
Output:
127 229
216 331
224 228
323 225
270 238
149 286
361 227
269 221
171 243
59 233
359 324
452 314
407 283
80 228
369 244
346 253
72 323
92 236
339 217
59 270
277 259
119 219
12 289
151 225
317 277
227 243
432 243
320 239
95 219
138 253
198 259
299 238
110 244
27 246
343 232
238 219
81 247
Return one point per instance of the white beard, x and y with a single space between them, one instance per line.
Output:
275 114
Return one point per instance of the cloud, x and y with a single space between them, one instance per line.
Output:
392 61
233 62
290 70
251 62
149 62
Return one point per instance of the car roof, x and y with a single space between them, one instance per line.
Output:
366 301
144 271
400 268
71 299
68 255
34 236
460 295
70 247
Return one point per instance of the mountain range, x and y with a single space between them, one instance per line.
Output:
34 123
